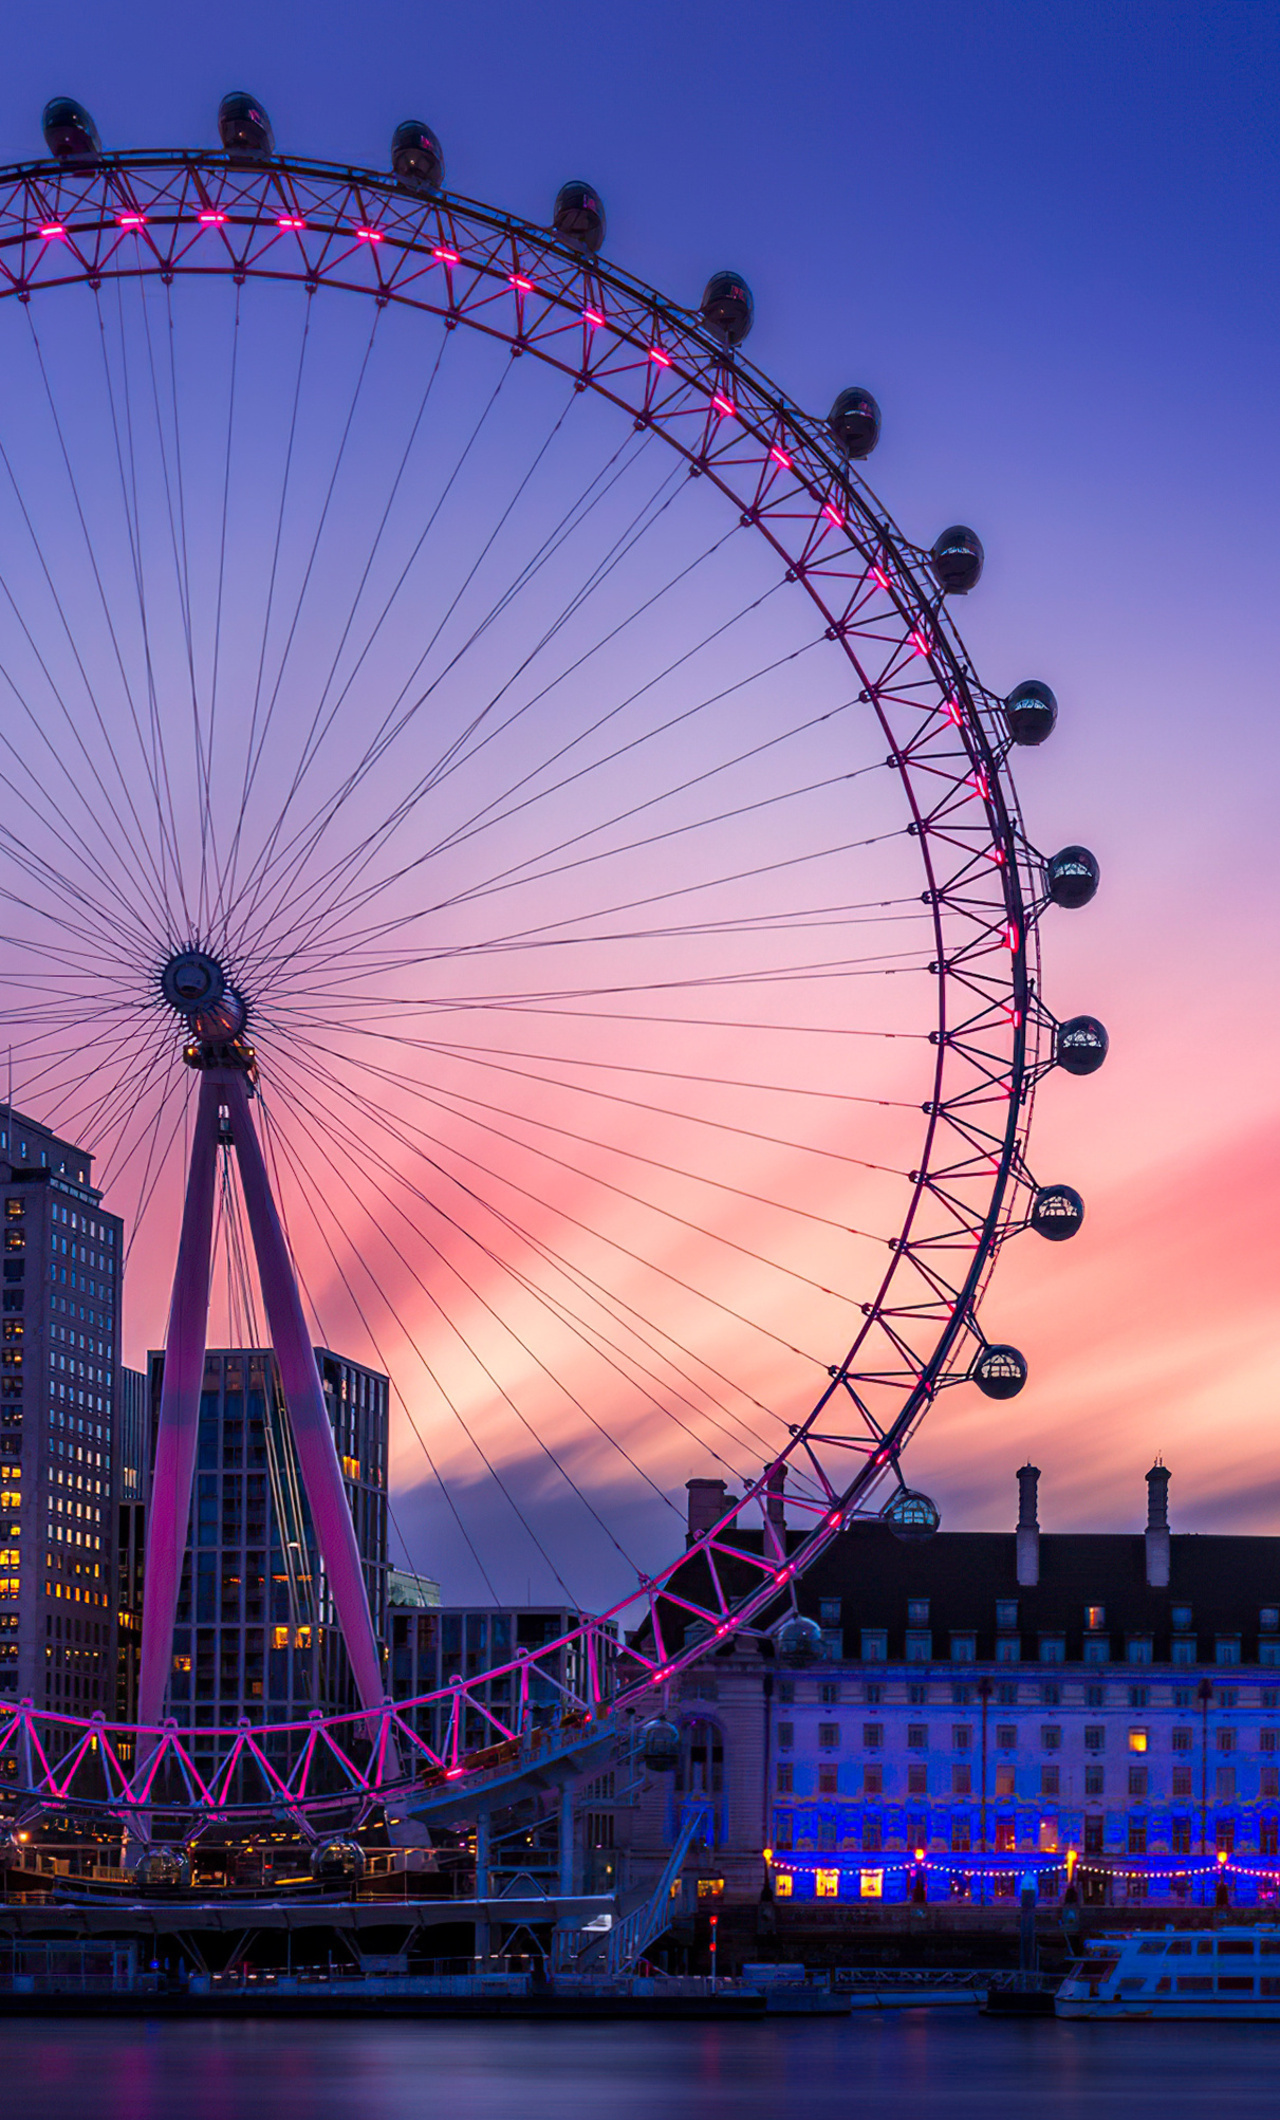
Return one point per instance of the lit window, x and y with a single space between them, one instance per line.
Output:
1095 1616
871 1884
711 1888
1137 1740
782 1884
826 1884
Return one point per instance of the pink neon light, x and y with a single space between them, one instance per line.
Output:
446 257
780 457
290 220
592 317
52 228
878 575
131 220
1011 936
920 643
656 354
368 235
833 514
725 407
953 712
518 280
212 220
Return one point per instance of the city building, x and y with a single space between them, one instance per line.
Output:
256 1633
59 1387
977 1704
432 1645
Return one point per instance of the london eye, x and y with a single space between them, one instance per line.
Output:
510 866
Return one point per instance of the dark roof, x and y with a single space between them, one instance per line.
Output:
1225 1580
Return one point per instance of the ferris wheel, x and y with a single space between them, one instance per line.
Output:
481 761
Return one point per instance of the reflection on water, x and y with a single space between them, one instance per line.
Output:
901 2065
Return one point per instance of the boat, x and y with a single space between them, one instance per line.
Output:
1219 1973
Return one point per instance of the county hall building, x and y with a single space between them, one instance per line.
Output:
1100 1706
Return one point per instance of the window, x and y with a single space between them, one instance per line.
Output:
1269 1784
917 1779
873 1695
1006 1612
1005 1778
917 1611
875 1645
829 1695
1005 1838
1006 1736
919 1646
826 1884
1053 1648
1093 1836
1183 1784
1095 1696
872 1736
1269 1618
960 1835
1224 1783
1225 1740
828 1736
1267 1740
1137 1836
1139 1696
962 1696
1097 1649
964 1648
829 1611
1225 1832
1051 1737
1049 1779
1181 1617
1227 1649
961 1736
917 1736
1051 1696
786 1736
785 1779
1095 1737
873 1784
1179 1836
1182 1740
786 1691
1138 1648
828 1781
1137 1740
1137 1781
1269 1697
1269 1836
1093 1781
961 1780
1008 1649
917 1696
1095 1616
1228 1696
1184 1649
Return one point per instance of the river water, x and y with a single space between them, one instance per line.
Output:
903 2064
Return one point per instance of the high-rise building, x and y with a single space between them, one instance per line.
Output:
256 1633
59 1389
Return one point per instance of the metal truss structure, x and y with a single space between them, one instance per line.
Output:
946 738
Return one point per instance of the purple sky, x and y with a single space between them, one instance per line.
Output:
1045 236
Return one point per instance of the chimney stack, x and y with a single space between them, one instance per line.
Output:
1158 1526
1028 1527
708 1501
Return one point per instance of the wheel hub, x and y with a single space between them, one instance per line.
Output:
195 984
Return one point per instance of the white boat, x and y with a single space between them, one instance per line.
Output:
1218 1973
